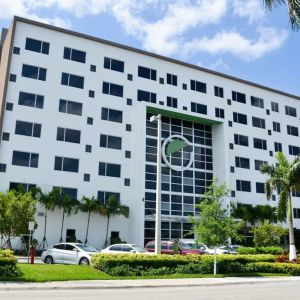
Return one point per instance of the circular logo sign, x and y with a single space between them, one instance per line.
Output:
175 148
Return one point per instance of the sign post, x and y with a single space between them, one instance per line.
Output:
30 228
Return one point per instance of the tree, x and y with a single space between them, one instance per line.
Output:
16 211
293 10
112 207
215 225
268 234
284 177
66 203
89 205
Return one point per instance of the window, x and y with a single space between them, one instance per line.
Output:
296 194
258 122
113 64
241 140
68 135
88 148
108 169
34 72
277 147
243 186
259 163
274 106
5 136
172 102
258 102
89 120
25 159
93 68
9 106
146 73
146 96
16 50
12 77
198 86
2 168
32 100
171 79
71 192
37 46
199 108
184 86
128 127
91 94
70 107
112 89
260 187
276 126
72 80
129 101
126 181
219 92
108 141
86 177
239 118
127 154
66 164
219 113
296 213
242 162
28 129
238 97
129 77
291 130
259 144
103 196
228 101
27 186
290 111
294 150
75 55
111 115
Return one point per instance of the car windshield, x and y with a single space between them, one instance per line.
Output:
186 246
138 248
86 248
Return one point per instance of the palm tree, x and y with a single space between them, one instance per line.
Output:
89 205
293 10
48 201
113 207
66 203
284 177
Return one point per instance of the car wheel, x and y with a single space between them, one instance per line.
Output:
84 261
48 260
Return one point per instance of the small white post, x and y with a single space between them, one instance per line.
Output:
215 260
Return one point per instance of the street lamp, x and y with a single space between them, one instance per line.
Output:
158 186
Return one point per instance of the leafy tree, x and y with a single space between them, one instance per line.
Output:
268 234
293 10
16 211
89 205
215 225
66 203
284 177
112 207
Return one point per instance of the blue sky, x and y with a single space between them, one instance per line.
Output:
229 36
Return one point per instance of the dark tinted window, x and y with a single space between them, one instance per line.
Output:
112 89
172 102
275 106
111 115
292 130
294 150
240 118
258 102
66 164
239 97
241 140
68 135
243 185
146 96
258 122
37 46
290 111
34 72
260 187
32 100
108 141
146 73
219 92
198 86
108 169
70 107
27 128
242 162
25 159
72 80
75 55
199 108
171 79
259 144
113 64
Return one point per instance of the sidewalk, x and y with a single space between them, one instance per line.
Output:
146 283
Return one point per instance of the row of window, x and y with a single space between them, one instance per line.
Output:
143 72
245 186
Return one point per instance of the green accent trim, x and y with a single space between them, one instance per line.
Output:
181 116
175 146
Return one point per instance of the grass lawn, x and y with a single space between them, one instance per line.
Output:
44 273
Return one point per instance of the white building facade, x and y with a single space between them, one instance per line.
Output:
75 114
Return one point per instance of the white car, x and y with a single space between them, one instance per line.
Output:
68 253
203 247
125 248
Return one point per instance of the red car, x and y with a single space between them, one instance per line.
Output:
167 247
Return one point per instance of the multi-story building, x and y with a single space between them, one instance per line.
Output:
75 114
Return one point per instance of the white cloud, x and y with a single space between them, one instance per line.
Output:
251 9
219 65
234 43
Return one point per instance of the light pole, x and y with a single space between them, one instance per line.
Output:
158 186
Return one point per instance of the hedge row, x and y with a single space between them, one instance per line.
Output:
144 265
261 250
8 264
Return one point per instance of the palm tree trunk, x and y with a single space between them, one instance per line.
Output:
106 236
292 255
87 228
45 230
62 226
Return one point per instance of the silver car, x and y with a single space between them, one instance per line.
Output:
68 253
125 248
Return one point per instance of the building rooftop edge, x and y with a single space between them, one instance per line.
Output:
143 52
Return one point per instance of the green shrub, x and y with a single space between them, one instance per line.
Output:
261 250
6 253
205 267
8 264
284 268
158 271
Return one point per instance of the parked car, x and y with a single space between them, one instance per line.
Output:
167 247
202 247
228 249
68 253
124 248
